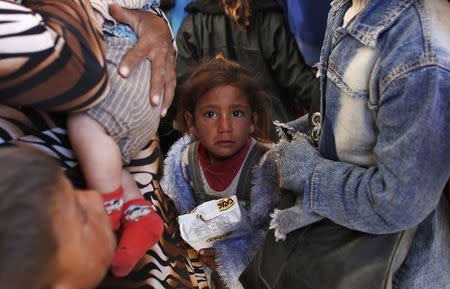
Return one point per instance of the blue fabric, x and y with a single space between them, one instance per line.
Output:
177 13
307 20
385 141
125 31
233 254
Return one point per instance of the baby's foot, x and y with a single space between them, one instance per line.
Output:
113 203
142 229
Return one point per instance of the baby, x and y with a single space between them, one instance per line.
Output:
110 133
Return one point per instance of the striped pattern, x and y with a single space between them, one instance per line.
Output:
169 264
64 68
126 111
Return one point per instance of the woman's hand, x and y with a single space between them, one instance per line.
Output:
155 44
208 256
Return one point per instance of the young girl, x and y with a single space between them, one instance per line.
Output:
256 35
225 113
111 133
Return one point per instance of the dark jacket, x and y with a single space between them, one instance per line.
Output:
267 49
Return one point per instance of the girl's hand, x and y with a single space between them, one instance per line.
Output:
208 256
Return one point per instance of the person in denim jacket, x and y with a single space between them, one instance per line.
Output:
383 156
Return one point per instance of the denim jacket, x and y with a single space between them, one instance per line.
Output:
385 81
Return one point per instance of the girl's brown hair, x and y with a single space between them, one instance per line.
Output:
219 71
239 11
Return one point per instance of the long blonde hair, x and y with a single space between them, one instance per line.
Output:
239 12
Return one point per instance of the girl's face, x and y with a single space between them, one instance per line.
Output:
222 122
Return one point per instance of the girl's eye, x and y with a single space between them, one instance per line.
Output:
238 113
210 114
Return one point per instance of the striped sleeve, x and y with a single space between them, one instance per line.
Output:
51 55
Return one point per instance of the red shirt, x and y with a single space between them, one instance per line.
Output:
220 175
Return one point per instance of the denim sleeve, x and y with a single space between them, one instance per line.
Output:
412 160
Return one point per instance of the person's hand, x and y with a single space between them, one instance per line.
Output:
155 44
287 130
208 256
295 161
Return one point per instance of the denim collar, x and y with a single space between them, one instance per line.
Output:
377 17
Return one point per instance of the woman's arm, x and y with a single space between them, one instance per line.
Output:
51 55
53 59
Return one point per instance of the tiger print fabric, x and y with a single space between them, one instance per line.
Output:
169 264
67 53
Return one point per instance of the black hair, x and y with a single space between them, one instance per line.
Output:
28 244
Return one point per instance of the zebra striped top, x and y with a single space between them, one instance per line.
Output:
51 55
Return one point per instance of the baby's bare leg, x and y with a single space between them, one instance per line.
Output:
130 188
97 152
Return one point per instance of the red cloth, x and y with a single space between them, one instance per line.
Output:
139 235
220 175
113 206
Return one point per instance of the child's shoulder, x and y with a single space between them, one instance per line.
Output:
260 148
179 154
189 152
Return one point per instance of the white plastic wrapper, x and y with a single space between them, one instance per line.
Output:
209 222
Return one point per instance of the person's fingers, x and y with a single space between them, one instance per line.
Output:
155 44
157 81
210 262
206 260
132 58
169 89
207 252
123 15
140 50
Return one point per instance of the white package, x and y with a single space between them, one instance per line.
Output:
209 222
